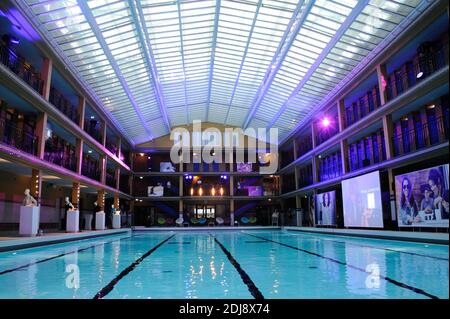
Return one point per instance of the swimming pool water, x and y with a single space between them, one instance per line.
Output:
227 264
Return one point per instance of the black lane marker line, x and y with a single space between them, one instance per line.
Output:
393 281
109 287
181 242
245 278
256 242
59 256
380 248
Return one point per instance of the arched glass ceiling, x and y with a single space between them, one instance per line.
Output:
156 64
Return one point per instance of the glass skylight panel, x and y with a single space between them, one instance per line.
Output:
183 53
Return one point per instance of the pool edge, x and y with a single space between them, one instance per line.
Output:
419 237
30 242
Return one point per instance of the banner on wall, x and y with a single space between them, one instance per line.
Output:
422 197
325 209
361 197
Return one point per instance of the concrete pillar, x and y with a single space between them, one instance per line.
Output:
36 184
119 147
180 208
81 111
130 184
76 194
181 186
296 176
46 75
231 185
101 199
412 133
294 145
103 132
116 201
315 169
388 135
102 169
344 156
131 158
341 114
41 128
439 121
313 134
117 176
79 155
298 202
382 82
424 121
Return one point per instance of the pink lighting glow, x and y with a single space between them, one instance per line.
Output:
325 122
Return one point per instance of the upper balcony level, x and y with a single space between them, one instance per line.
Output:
412 68
24 59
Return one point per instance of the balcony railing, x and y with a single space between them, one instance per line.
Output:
330 167
304 145
19 66
421 136
124 185
91 127
62 104
61 154
110 180
90 169
413 72
111 147
16 137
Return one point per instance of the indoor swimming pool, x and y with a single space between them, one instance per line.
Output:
242 264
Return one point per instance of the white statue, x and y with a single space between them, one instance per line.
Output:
69 204
29 200
114 211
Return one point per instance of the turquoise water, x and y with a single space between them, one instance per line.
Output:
227 264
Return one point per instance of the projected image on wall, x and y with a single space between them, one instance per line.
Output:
325 209
362 201
422 198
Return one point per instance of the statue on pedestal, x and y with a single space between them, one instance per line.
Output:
69 206
29 200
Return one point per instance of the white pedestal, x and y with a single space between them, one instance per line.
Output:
116 221
100 221
87 221
73 221
29 220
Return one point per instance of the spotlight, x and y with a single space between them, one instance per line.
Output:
213 191
419 75
90 152
142 154
325 122
141 177
221 191
14 40
200 191
92 117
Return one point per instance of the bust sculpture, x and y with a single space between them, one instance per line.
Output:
69 205
29 200
114 211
